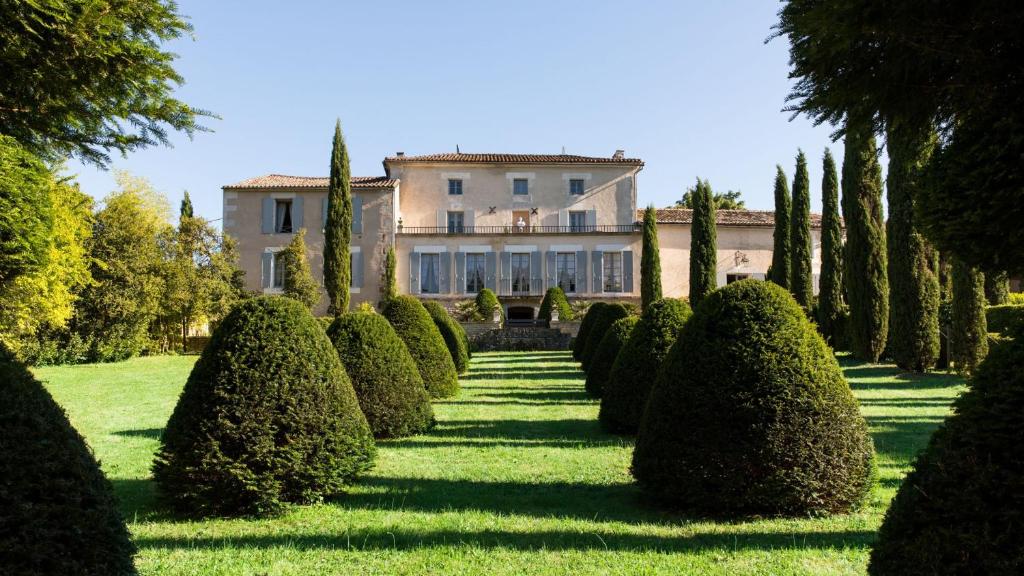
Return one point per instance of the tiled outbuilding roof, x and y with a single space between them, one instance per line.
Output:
515 159
723 217
283 181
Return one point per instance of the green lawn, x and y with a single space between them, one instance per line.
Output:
517 478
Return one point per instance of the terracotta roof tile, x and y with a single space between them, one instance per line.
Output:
723 217
515 159
283 181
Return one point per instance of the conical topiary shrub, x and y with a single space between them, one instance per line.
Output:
579 344
267 417
383 374
959 511
750 414
454 336
425 343
603 320
57 511
607 351
636 367
555 299
486 303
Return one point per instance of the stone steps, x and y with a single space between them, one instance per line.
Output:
516 338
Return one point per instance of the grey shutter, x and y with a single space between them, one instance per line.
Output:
597 266
506 273
357 214
552 276
469 220
592 220
323 212
296 213
563 218
536 279
442 219
268 215
446 272
491 281
357 269
414 273
581 272
627 271
460 272
268 269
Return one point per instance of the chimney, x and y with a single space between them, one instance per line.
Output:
400 154
619 155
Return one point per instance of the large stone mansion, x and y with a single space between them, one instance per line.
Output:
515 223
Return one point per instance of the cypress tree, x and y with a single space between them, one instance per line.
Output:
186 207
914 286
650 261
298 278
338 230
867 285
968 338
779 270
388 285
831 309
800 283
703 254
997 288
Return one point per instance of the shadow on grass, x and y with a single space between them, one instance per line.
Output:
524 375
902 437
151 433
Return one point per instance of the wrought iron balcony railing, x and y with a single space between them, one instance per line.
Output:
517 230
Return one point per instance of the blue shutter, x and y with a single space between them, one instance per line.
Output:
414 273
581 272
491 280
627 271
506 273
297 213
536 279
357 214
460 272
551 275
323 212
268 269
357 269
268 215
597 266
446 272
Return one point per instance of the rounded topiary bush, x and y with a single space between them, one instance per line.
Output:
425 343
579 344
959 510
555 298
57 511
750 414
604 317
486 303
383 374
636 368
267 417
607 351
454 336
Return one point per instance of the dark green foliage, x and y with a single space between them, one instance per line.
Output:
650 261
968 337
298 278
338 229
454 336
832 309
913 283
388 284
1005 318
750 414
636 367
579 344
729 200
959 510
57 511
416 328
703 252
384 375
867 284
487 302
800 283
603 319
997 288
781 258
606 352
82 78
25 210
267 417
555 298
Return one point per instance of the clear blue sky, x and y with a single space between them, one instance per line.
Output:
689 87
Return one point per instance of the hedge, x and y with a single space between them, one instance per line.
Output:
603 320
1004 318
454 336
580 342
486 303
555 298
416 328
607 351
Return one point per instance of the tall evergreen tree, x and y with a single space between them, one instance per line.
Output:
650 261
186 207
800 281
968 338
779 270
338 230
388 283
298 278
703 251
831 308
997 287
914 285
867 285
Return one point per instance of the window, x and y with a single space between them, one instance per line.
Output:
576 186
577 221
430 273
730 278
520 273
277 274
455 187
283 216
565 271
476 270
455 222
520 186
613 272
